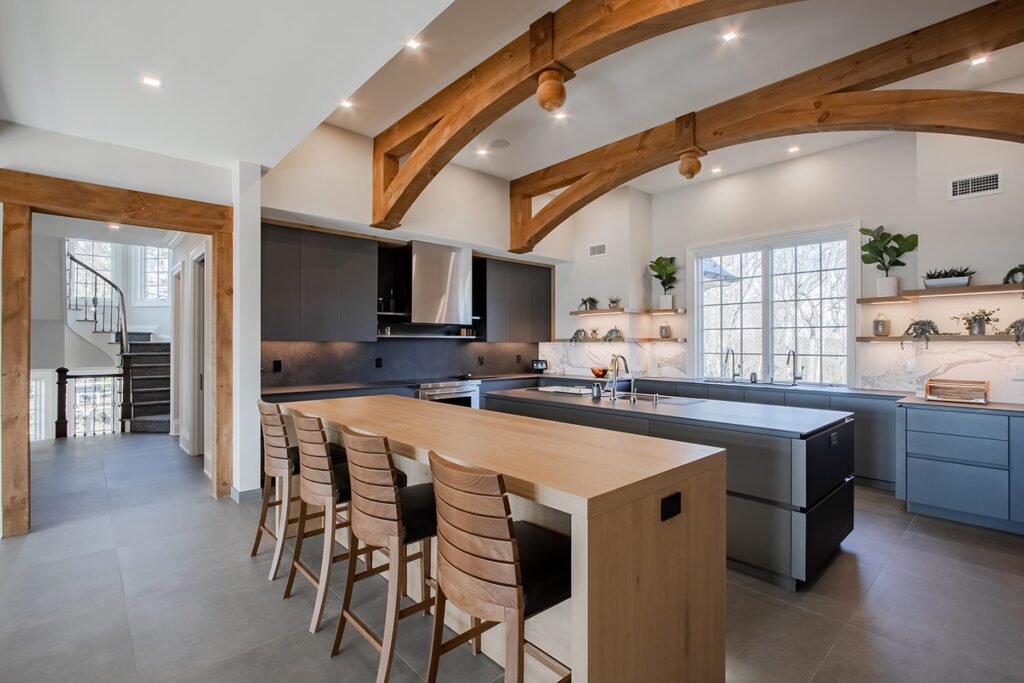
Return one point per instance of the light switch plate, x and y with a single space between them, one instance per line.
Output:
1017 371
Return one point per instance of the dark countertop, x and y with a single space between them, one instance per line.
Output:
382 384
812 388
793 423
1015 409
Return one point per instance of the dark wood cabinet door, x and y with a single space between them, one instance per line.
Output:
358 263
320 286
521 304
279 284
541 314
498 300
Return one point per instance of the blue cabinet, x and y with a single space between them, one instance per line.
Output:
1017 469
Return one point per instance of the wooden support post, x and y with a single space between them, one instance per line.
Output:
14 366
61 424
223 297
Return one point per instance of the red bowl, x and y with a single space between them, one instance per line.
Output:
600 373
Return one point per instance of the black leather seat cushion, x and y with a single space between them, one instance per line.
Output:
545 560
334 451
419 512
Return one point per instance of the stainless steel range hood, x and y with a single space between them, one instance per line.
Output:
442 284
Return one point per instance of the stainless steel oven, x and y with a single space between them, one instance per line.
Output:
457 392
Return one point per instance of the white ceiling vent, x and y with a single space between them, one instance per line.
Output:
979 185
598 250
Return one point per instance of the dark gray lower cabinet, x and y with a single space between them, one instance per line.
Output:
807 399
718 392
618 423
876 435
1017 469
765 396
975 490
503 385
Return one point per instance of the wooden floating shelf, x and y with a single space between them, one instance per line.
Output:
912 295
634 340
601 311
626 311
943 338
667 311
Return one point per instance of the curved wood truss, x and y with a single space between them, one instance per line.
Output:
579 33
834 97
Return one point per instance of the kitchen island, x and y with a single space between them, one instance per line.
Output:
647 519
789 474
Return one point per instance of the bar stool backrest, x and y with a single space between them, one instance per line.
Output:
477 553
276 462
316 476
376 505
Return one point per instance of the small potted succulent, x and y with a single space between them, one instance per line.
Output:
614 301
921 329
976 321
1015 275
664 270
938 278
1016 328
588 303
884 250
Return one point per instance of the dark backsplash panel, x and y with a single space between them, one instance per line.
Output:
416 359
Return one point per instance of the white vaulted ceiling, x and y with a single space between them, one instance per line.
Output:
243 79
655 81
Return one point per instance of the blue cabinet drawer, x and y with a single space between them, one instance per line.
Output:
961 424
976 490
691 390
965 449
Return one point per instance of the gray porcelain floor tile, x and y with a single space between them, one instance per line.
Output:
860 657
49 508
167 518
769 641
961 540
987 573
367 590
835 593
70 647
65 540
981 632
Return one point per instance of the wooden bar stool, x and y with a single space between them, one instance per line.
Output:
492 568
323 483
280 462
389 518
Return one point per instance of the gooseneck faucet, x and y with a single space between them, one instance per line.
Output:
791 358
729 353
615 377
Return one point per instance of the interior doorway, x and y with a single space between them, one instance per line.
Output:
176 329
198 354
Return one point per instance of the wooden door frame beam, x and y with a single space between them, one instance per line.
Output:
990 27
576 35
21 194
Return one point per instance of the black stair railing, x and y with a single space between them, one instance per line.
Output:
92 293
98 402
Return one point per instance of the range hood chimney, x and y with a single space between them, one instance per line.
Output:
442 284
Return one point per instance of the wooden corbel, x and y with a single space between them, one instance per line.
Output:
551 75
686 146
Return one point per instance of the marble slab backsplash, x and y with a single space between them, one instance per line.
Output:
661 359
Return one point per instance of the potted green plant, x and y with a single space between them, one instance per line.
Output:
1016 328
588 303
664 270
1015 275
884 250
921 329
976 321
614 301
938 278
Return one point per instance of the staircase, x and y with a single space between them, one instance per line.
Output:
93 298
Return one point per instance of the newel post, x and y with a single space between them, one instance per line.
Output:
61 424
126 389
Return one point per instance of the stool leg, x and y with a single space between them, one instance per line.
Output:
330 526
346 601
263 516
396 588
435 637
514 634
284 493
425 573
297 552
475 643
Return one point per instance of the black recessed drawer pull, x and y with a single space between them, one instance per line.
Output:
671 506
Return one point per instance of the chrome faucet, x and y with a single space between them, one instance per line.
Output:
615 378
797 372
729 353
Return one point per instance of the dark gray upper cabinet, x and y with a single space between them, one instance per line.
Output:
518 302
317 286
279 277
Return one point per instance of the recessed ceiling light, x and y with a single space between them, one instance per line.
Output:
500 143
978 61
560 115
482 152
716 170
413 44
152 81
113 226
730 36
346 103
794 149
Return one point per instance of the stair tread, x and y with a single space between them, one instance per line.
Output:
150 403
152 365
138 390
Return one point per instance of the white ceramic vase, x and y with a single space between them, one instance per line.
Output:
888 286
666 301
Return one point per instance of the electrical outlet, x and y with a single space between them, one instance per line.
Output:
519 358
378 362
479 360
277 366
1017 371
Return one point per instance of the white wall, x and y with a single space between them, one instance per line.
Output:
327 180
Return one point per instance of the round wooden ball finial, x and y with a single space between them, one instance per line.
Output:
689 164
551 89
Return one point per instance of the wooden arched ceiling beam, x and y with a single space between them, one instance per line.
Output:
577 34
587 176
994 115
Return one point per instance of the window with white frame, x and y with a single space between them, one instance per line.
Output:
36 412
153 266
100 257
763 301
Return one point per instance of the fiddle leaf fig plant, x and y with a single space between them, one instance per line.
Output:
664 270
884 249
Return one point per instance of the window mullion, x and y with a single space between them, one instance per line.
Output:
767 322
